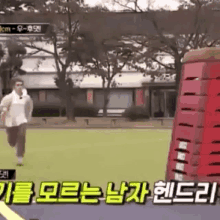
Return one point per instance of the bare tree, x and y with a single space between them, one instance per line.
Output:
106 59
62 35
198 33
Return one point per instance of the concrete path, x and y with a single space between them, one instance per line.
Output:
110 212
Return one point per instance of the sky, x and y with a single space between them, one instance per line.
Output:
172 4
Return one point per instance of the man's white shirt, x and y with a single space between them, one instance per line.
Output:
19 109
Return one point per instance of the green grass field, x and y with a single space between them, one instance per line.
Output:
97 156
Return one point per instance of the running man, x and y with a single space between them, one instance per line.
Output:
16 112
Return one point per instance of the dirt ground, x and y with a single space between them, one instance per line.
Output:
61 122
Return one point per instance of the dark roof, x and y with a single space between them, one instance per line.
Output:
159 84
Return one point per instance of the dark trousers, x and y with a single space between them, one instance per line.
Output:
17 137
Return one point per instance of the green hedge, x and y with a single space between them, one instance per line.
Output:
54 110
136 113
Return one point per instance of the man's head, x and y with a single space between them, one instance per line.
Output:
18 85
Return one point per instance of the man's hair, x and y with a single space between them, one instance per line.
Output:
15 80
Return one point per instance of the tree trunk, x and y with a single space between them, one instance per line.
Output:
178 67
106 100
69 107
6 79
159 99
65 94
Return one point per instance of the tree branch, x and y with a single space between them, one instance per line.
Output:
137 6
162 37
69 36
56 57
108 65
125 6
167 67
76 26
39 49
30 54
186 44
212 43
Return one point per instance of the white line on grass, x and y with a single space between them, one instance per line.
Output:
8 214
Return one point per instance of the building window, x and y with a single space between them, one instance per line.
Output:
170 103
99 98
82 95
118 98
42 96
158 103
52 96
163 103
34 95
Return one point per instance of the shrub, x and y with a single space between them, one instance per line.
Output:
46 110
159 114
136 113
84 110
53 110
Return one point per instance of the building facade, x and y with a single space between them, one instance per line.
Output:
129 92
133 88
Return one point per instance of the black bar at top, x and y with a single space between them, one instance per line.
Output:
25 28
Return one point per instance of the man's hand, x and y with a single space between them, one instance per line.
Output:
3 115
29 118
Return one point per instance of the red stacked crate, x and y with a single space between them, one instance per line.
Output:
195 146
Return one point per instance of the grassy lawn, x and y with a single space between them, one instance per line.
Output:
97 156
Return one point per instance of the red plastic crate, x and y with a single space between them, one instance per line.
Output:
205 160
212 70
191 148
211 135
202 70
207 149
194 70
172 175
183 133
199 103
195 160
188 158
207 166
197 178
206 171
209 87
193 103
197 119
212 104
195 149
186 169
209 179
211 119
198 135
189 170
192 118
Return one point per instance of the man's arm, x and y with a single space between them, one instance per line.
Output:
30 107
4 106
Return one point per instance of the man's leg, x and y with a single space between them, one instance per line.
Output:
12 134
21 139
